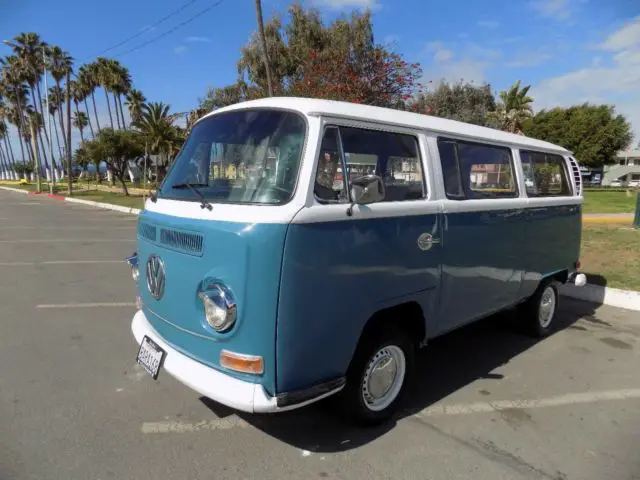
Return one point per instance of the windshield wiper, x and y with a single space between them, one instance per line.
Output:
192 187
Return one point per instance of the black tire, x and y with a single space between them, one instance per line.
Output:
531 315
352 398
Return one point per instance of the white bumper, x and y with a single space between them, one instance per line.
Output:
229 391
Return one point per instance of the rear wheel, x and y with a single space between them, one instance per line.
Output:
538 313
377 377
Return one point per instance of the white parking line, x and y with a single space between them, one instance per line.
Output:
87 305
59 262
70 240
435 410
561 400
180 427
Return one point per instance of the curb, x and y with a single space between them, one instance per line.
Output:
105 206
618 220
613 297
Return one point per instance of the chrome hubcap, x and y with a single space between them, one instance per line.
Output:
383 377
547 307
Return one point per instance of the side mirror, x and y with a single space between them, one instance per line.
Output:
367 189
153 195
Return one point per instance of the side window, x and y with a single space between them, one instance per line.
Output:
545 174
475 170
330 186
392 156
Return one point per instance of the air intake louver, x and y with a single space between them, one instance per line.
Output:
147 231
185 242
577 177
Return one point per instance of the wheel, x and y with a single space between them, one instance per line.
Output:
377 377
538 313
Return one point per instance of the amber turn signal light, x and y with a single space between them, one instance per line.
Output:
242 363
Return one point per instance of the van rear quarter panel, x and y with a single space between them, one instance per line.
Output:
552 237
335 276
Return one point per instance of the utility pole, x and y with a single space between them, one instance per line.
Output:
69 173
36 152
46 96
263 41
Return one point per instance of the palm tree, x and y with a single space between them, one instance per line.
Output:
60 63
514 108
4 133
56 97
88 83
15 91
78 95
120 85
31 51
102 70
6 153
135 100
156 126
80 121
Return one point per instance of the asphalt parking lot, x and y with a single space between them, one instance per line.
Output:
487 403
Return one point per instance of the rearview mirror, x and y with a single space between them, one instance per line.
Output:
367 189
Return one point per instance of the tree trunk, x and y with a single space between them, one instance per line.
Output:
69 169
106 95
95 110
124 125
115 104
46 134
122 181
61 119
86 105
55 128
9 148
263 41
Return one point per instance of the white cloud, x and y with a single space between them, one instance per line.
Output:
558 9
625 37
197 40
180 49
615 84
469 62
340 4
443 55
488 24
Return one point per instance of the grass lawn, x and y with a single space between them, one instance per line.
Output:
609 201
93 195
612 252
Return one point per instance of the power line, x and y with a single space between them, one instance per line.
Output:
146 29
164 34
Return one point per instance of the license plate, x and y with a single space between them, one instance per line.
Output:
150 356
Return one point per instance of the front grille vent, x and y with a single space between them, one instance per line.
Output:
186 242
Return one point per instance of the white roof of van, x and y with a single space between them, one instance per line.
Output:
311 106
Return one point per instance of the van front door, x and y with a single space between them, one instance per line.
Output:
340 269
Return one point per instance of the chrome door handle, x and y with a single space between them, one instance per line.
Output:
426 241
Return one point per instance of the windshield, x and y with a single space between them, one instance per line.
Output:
250 156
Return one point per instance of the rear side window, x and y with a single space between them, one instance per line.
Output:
476 171
545 174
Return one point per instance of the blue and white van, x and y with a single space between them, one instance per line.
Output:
301 248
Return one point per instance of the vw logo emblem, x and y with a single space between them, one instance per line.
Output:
155 276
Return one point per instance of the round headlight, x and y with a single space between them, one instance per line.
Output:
219 307
135 273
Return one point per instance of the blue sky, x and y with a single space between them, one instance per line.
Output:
568 50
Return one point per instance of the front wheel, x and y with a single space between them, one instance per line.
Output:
538 313
377 377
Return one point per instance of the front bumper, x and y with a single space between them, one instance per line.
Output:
229 391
